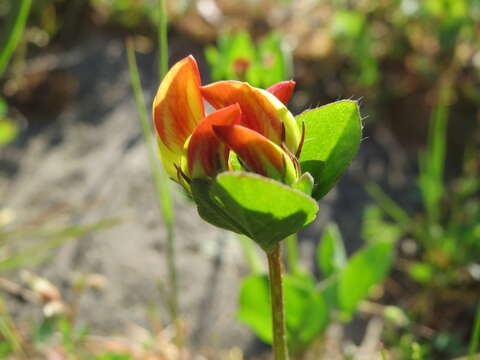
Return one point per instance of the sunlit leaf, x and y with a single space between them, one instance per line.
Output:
265 210
332 138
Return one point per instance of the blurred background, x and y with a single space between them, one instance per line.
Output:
84 248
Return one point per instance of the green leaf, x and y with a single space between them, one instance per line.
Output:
367 267
273 59
331 256
389 206
421 272
265 210
332 138
348 24
111 356
241 48
254 306
375 228
45 330
306 312
8 131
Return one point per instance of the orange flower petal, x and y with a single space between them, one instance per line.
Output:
261 111
206 154
256 152
283 90
177 109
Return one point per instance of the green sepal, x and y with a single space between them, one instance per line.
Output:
304 184
263 209
208 209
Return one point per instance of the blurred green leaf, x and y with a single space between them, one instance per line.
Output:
254 307
5 350
275 62
236 54
375 228
389 206
348 24
331 256
45 330
366 268
332 138
236 57
8 131
395 315
305 310
111 356
421 272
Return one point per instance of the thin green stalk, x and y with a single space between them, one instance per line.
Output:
433 161
251 255
388 205
291 247
8 330
383 353
280 350
14 33
475 339
162 39
160 179
166 195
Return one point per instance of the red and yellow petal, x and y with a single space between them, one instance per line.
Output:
257 153
207 155
177 109
283 90
262 112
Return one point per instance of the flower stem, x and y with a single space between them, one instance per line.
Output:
280 350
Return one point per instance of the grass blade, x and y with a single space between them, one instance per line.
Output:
475 339
14 32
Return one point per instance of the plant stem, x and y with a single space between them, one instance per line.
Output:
162 27
160 181
172 273
280 350
15 27
164 188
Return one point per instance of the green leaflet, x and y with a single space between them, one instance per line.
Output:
332 138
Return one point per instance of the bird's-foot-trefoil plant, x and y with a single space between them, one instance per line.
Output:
251 166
